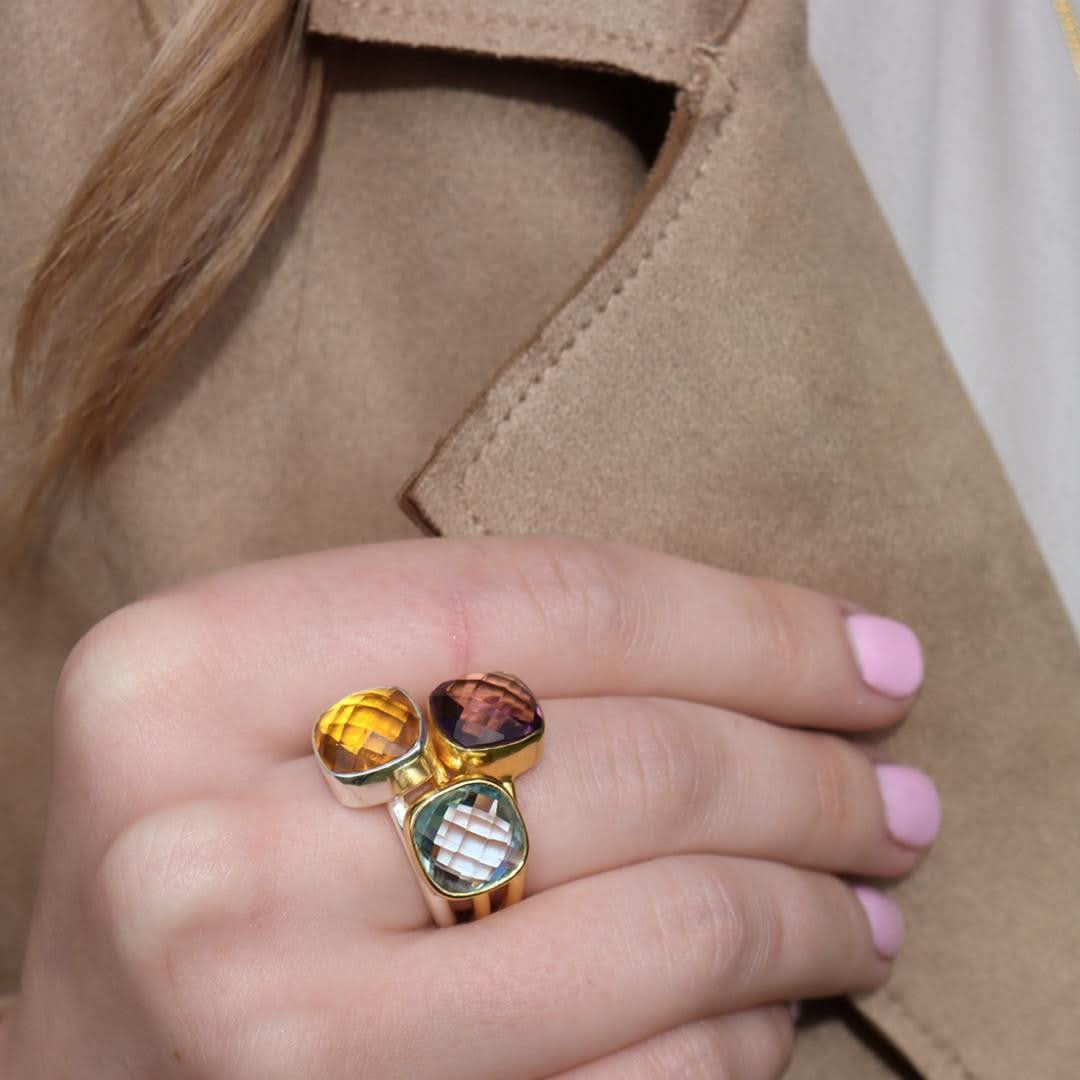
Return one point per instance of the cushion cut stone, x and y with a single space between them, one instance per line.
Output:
366 730
485 710
469 838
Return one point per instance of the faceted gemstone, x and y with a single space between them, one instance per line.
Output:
469 837
366 730
485 710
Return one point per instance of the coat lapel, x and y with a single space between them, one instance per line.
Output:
748 377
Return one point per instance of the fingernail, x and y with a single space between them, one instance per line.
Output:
886 922
912 806
888 654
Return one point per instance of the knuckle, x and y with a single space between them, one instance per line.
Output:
114 893
662 774
132 885
709 923
767 937
578 580
741 937
126 901
116 668
168 875
787 648
837 814
96 676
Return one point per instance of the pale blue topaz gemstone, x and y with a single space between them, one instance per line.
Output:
469 838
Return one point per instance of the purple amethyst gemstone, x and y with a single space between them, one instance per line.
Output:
485 710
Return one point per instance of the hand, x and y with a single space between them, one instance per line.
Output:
207 909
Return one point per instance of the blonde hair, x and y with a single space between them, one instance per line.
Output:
193 172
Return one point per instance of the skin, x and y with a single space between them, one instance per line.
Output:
207 909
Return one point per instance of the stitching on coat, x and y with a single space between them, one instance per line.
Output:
626 39
937 1042
601 308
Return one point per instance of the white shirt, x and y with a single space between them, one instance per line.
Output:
965 116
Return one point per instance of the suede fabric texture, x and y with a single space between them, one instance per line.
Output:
478 286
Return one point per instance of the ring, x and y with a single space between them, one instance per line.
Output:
448 780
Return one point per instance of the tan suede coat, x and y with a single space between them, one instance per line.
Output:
481 313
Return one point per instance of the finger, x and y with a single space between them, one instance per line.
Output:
196 902
610 960
751 1045
624 780
628 779
268 646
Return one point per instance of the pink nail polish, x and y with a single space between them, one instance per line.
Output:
912 806
888 654
886 922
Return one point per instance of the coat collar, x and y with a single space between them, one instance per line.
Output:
651 38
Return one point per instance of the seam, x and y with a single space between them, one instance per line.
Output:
601 309
936 1041
626 39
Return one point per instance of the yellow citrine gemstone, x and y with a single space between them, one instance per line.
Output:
367 729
